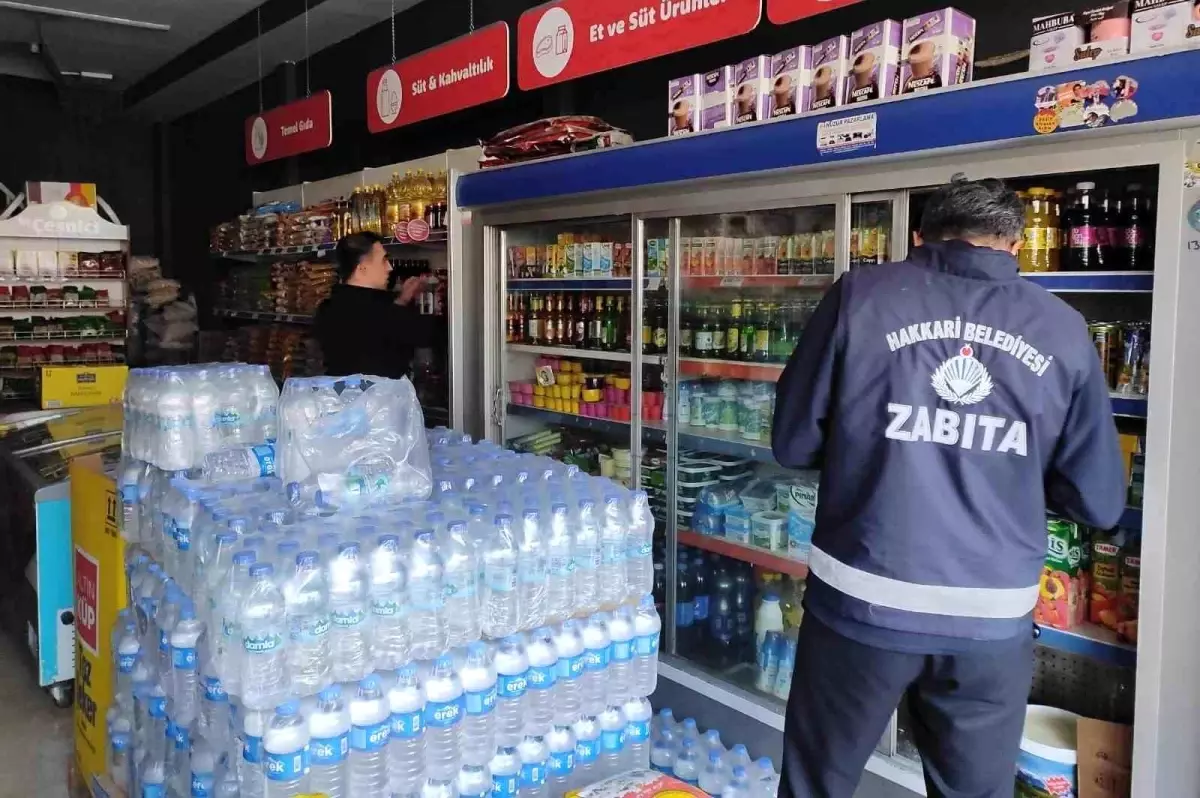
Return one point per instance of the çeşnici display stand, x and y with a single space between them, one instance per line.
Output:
800 180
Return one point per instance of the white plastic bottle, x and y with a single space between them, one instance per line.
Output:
560 765
687 762
543 665
263 626
512 684
391 645
647 627
560 581
306 596
175 449
265 396
585 556
460 576
714 776
764 781
768 618
739 784
534 755
229 656
120 754
478 676
443 720
499 602
185 659
238 464
426 619
531 569
612 741
737 755
711 741
611 576
285 747
637 713
329 743
663 748
369 733
639 560
594 682
406 745
506 772
474 781
568 700
620 661
252 777
587 750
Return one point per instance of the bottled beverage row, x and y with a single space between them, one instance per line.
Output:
1124 351
561 385
571 255
741 328
1089 229
379 209
583 320
679 749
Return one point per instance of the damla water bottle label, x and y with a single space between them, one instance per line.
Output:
261 644
286 767
504 786
443 714
637 731
202 785
533 775
371 738
646 645
407 725
183 659
622 650
501 578
252 749
214 690
541 677
570 667
481 702
385 608
310 628
586 751
562 763
510 687
345 619
595 659
612 741
323 751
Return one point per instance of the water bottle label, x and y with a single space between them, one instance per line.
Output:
252 749
168 526
264 456
327 751
386 608
595 659
129 494
183 659
532 573
443 714
533 776
587 561
701 609
158 706
610 553
202 785
164 643
286 767
541 677
644 549
460 588
482 702
570 667
562 763
347 619
214 690
586 751
622 650
310 629
612 741
370 738
226 417
424 596
637 731
407 725
504 786
646 645
153 791
510 687
183 739
501 578
125 662
560 566
261 644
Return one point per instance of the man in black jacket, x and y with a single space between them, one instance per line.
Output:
363 328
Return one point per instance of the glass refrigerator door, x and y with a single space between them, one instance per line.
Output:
746 285
874 237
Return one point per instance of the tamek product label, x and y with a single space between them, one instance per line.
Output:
533 775
504 786
562 763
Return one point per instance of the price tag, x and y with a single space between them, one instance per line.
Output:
731 282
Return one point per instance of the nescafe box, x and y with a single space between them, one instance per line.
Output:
791 74
829 72
753 84
716 98
1160 24
938 49
874 62
1054 40
1108 29
683 105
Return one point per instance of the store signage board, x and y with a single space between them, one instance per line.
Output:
292 129
468 71
781 12
60 220
568 39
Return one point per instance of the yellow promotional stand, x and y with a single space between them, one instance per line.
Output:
99 578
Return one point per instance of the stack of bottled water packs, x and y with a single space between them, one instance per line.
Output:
679 749
494 638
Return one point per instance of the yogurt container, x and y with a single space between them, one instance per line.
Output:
1048 758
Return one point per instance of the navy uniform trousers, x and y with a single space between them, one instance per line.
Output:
967 713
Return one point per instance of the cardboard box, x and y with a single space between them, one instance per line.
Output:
829 72
1105 759
1163 24
683 105
938 50
791 74
82 386
716 98
874 62
750 95
1108 29
1054 40
82 194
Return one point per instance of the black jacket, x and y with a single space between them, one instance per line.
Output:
363 331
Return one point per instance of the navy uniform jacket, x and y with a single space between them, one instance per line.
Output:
947 402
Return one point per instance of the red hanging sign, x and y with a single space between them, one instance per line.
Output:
471 70
782 12
302 126
567 39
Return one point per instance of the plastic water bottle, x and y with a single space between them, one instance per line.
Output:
329 743
229 646
764 781
665 722
506 772
663 749
594 683
349 641
568 645
543 666
499 601
175 448
460 576
739 784
512 684
534 755
265 398
714 776
444 706
214 710
391 645
285 747
204 769
587 750
251 776
241 463
561 762
647 627
531 570
306 596
611 575
154 776
179 764
369 733
474 781
612 741
263 623
639 559
478 676
426 620
687 762
620 662
120 753
585 556
712 742
406 746
737 756
185 639
638 713
560 581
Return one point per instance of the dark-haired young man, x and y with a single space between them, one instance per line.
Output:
363 328
948 403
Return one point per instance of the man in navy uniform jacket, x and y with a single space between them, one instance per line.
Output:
948 403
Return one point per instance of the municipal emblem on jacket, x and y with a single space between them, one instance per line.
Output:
962 380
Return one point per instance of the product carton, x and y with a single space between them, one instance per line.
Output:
1161 24
753 85
874 62
683 105
938 49
1063 588
791 74
716 98
829 72
1055 38
1108 30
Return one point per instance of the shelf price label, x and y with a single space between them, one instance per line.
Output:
732 282
782 12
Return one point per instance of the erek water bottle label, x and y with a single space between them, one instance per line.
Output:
637 731
183 739
261 644
370 738
183 659
622 650
214 690
443 714
125 662
482 702
533 775
541 677
264 456
562 763
510 687
646 645
252 749
596 659
202 785
586 751
346 619
407 725
310 629
504 786
183 538
570 667
323 751
286 767
611 741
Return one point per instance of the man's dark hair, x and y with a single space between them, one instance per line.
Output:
352 249
973 209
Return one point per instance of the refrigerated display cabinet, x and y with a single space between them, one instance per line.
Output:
732 238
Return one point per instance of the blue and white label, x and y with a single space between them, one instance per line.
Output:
586 751
261 644
532 572
202 785
510 687
214 690
611 553
164 642
570 667
183 659
504 786
286 767
227 417
371 738
533 775
622 650
562 763
125 662
501 578
541 677
612 741
153 791
595 659
646 645
183 739
264 457
183 538
443 714
386 608
252 749
637 731
348 619
309 628
158 706
481 702
328 751
407 725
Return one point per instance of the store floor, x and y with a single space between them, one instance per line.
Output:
35 735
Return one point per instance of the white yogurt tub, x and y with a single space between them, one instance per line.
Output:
1046 765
